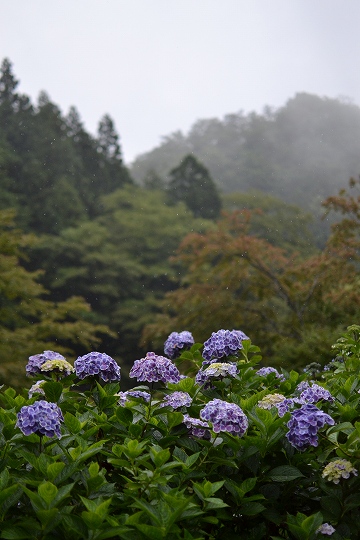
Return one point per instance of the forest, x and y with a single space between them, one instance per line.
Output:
248 223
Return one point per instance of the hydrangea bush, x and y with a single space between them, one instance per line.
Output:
229 449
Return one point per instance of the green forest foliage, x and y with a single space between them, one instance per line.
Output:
89 259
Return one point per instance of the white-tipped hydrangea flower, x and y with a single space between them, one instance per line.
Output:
198 428
36 361
176 342
96 363
304 425
279 401
58 366
177 400
37 389
337 469
217 370
154 368
138 394
225 416
265 371
315 393
223 343
42 418
325 528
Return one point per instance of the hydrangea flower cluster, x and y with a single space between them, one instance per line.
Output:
279 401
325 528
223 343
126 396
36 361
217 370
36 389
96 363
337 469
42 417
177 400
176 342
304 425
315 393
225 416
58 365
265 371
154 368
197 427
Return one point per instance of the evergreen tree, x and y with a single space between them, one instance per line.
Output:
192 184
8 83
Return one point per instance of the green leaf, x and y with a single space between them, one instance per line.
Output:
284 473
124 415
72 423
154 533
47 492
53 390
54 469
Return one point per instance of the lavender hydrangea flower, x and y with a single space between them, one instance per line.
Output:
225 416
325 528
304 425
36 389
177 400
337 469
223 343
315 393
96 363
176 342
279 401
35 362
197 427
42 417
265 371
217 370
126 396
154 368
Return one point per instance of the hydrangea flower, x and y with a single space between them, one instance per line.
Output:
176 342
265 371
35 362
217 370
325 528
42 417
197 427
36 389
315 393
304 425
154 368
279 401
96 363
177 400
337 469
223 343
126 396
58 365
225 416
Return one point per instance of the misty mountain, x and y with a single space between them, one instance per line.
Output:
301 152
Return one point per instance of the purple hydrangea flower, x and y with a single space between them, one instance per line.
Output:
37 389
325 528
279 401
304 425
42 417
315 393
177 400
154 368
35 362
176 342
197 427
96 363
126 396
217 370
265 371
225 416
223 343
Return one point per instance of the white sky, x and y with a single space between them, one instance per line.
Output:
157 66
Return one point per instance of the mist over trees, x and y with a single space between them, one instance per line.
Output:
89 251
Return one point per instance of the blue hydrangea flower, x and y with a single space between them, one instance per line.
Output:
315 393
225 416
265 371
217 370
96 363
223 343
304 425
197 427
176 342
36 389
126 396
154 368
177 400
325 528
35 362
279 401
42 417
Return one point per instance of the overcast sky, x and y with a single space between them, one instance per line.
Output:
157 66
